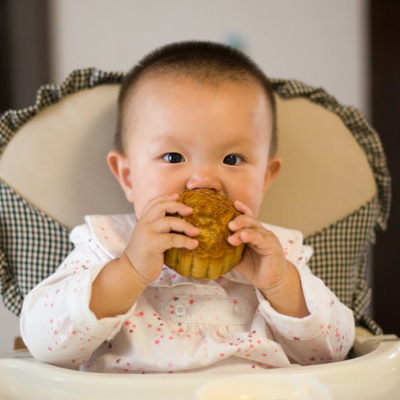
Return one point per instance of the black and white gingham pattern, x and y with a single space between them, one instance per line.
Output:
340 258
33 245
341 251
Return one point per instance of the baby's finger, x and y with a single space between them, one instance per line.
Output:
175 240
179 241
243 208
249 237
163 206
264 242
244 221
160 199
175 224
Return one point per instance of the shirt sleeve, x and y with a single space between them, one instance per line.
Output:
326 334
57 324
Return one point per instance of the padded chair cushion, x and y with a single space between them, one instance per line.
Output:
35 223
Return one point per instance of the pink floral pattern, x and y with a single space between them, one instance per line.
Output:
179 324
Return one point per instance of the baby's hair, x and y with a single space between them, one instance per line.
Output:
208 62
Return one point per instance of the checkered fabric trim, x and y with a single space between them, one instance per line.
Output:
341 257
32 245
341 251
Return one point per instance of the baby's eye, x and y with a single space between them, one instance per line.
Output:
174 158
233 159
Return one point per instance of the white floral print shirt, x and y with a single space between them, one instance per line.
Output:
178 324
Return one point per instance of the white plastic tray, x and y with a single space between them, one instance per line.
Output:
374 376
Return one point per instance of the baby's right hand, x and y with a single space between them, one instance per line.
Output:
156 231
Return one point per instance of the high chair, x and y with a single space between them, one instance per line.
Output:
334 186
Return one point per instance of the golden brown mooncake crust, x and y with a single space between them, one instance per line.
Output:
214 256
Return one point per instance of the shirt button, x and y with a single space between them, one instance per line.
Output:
180 310
238 308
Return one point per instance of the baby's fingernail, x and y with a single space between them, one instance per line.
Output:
232 241
188 210
237 203
194 244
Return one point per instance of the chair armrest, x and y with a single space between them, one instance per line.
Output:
365 341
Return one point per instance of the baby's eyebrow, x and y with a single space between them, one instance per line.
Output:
245 144
237 144
168 138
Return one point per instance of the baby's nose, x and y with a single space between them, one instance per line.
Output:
204 178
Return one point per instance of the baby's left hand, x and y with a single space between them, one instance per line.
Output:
264 264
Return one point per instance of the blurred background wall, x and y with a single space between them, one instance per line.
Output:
322 42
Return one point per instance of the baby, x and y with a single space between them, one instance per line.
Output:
192 115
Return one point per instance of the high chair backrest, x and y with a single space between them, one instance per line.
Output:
334 185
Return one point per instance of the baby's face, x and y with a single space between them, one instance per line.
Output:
182 134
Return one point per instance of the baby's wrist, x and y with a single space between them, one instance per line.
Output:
138 274
276 289
286 296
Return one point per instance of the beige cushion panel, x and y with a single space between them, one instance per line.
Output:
325 174
57 161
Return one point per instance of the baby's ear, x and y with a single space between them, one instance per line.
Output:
273 167
119 166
